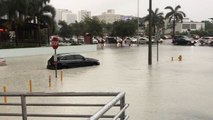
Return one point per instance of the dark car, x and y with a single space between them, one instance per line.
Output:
67 60
183 40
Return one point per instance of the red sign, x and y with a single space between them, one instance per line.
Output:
54 42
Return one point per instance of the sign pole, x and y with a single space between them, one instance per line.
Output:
55 61
54 42
157 40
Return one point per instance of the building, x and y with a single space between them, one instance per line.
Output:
111 17
185 26
65 15
82 14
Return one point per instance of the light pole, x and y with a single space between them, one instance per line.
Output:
138 26
150 34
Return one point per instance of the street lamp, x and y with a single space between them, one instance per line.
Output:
138 26
150 34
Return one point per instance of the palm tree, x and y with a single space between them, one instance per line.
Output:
41 14
157 19
175 15
12 11
20 12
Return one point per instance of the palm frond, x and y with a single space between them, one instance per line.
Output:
177 7
169 7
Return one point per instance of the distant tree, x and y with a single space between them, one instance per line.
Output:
93 26
208 27
107 28
124 28
78 28
65 30
157 19
175 15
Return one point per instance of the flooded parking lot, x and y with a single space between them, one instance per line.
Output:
166 90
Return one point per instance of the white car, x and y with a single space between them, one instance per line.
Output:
206 40
155 41
143 40
130 40
2 62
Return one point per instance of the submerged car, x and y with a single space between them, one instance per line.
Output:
183 40
67 60
2 62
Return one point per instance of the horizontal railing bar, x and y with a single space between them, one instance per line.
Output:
114 102
121 112
52 115
77 94
66 105
10 114
102 111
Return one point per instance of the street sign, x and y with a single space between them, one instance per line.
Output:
54 42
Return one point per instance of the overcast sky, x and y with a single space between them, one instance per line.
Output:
196 10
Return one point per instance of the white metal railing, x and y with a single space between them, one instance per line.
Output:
118 100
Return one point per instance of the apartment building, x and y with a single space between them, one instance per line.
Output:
110 17
82 14
65 15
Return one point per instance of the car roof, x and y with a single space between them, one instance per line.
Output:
65 54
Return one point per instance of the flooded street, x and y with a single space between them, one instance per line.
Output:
166 90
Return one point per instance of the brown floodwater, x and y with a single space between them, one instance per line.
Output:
166 90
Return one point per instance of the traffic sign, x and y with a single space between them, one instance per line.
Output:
54 42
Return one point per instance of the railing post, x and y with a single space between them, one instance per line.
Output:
122 104
23 107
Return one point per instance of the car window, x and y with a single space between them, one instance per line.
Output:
79 57
69 57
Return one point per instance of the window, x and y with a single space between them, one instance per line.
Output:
185 26
69 57
193 26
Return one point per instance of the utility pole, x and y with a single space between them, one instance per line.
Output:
150 34
138 26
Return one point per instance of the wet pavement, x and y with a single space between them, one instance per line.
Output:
166 90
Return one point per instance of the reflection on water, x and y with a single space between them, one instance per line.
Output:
167 90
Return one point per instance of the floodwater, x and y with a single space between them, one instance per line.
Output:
166 90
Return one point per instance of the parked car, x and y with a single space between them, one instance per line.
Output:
95 40
160 40
211 43
2 62
205 40
67 60
183 40
143 40
110 40
130 40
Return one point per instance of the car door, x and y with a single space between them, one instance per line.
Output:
80 60
67 61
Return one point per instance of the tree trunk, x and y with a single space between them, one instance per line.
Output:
39 36
16 34
173 34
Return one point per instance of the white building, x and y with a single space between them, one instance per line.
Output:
111 17
184 26
65 15
82 14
